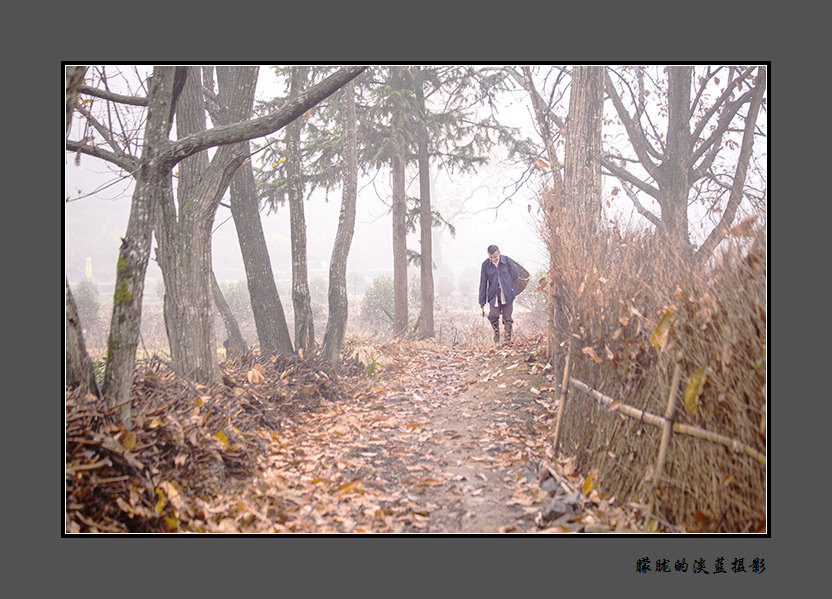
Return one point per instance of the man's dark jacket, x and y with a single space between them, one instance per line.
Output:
507 273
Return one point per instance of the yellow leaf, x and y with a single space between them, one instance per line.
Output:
129 441
160 501
591 353
659 337
219 435
589 481
694 389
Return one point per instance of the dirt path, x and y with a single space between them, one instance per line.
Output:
451 440
476 437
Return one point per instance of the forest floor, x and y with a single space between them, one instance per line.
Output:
434 439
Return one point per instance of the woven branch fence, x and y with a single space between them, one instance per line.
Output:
663 493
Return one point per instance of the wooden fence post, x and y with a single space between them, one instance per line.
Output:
564 391
667 429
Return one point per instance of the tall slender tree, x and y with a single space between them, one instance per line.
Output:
336 323
301 298
426 321
267 309
399 207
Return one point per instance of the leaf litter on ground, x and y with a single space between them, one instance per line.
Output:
286 445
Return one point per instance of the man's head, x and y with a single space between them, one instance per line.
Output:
494 253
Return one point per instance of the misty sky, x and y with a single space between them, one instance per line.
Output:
94 224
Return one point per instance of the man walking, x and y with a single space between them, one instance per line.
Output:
497 277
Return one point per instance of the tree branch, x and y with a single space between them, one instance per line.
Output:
640 207
721 230
634 132
713 141
625 175
247 130
104 132
113 97
122 161
700 126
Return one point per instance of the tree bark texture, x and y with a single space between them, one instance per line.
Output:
426 326
582 160
301 298
399 208
184 236
336 324
269 317
674 202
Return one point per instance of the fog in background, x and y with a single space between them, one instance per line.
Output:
485 207
95 224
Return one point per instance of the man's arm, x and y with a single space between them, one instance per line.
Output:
482 284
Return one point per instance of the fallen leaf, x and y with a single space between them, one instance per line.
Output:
129 441
659 337
694 389
591 353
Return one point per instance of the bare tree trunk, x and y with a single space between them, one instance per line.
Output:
301 298
74 80
184 239
674 202
398 212
269 317
336 323
426 325
234 344
79 368
582 161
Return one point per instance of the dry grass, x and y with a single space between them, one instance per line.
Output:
623 294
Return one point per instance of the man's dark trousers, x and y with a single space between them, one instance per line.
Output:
494 313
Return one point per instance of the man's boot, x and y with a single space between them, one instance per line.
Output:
508 326
496 327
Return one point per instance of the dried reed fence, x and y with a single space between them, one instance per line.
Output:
673 353
653 488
